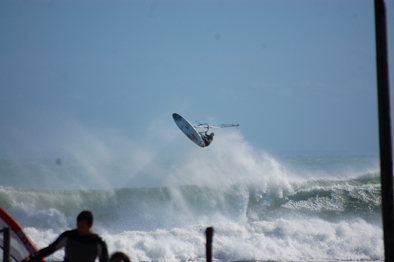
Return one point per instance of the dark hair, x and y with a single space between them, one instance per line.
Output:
86 216
121 256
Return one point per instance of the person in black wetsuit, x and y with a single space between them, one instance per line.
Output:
207 138
81 245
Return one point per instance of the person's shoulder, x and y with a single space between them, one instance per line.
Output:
68 234
72 232
95 237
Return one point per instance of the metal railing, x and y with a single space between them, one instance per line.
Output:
6 244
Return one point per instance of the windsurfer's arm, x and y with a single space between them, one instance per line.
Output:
58 244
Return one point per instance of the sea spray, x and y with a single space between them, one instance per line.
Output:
263 207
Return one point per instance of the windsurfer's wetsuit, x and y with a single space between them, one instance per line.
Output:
77 248
207 139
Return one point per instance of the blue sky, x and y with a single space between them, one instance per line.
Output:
296 75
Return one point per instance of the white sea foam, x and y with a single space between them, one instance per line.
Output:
278 240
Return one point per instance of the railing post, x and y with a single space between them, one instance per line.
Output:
209 235
386 162
6 244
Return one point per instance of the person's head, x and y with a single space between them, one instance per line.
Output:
212 134
119 257
84 222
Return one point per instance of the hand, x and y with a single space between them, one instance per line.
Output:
26 259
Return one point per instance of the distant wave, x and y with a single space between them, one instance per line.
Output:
151 208
315 219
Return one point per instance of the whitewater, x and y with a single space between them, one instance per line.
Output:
263 206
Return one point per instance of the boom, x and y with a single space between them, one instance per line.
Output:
216 126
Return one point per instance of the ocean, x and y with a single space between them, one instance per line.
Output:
263 207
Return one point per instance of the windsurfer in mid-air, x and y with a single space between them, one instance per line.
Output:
207 138
202 139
